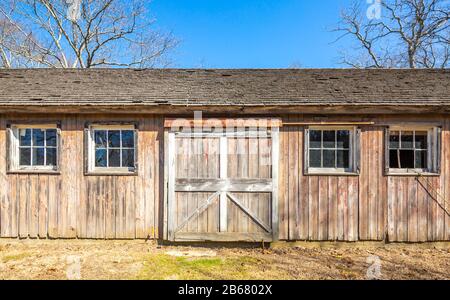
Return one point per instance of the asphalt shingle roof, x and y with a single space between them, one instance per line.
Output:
242 87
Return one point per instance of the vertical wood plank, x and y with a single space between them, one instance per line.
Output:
431 212
332 208
283 185
66 161
23 206
373 184
143 150
159 158
213 172
82 183
342 208
171 191
382 189
109 208
304 190
130 208
402 221
255 202
422 217
232 170
191 198
445 175
223 223
438 199
275 175
118 189
91 221
243 146
5 193
192 203
364 186
33 213
43 206
293 191
14 200
392 209
353 207
313 208
100 211
202 165
53 196
203 173
80 180
412 210
323 208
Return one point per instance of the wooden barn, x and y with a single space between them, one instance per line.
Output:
225 155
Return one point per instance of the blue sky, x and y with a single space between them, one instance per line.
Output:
252 33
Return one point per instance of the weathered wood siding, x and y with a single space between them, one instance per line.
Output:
316 207
72 205
370 206
418 208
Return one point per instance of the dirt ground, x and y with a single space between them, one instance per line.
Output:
84 259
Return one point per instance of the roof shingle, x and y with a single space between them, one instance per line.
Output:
241 87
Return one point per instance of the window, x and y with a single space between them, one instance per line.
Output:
412 150
330 150
112 149
34 148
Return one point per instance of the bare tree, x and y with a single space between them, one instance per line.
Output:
406 33
80 34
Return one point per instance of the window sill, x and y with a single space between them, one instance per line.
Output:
331 174
34 171
111 173
425 174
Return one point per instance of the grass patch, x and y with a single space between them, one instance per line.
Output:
13 257
162 266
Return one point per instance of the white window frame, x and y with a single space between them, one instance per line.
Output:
14 149
91 168
352 170
433 148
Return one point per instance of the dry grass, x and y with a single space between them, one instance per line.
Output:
42 259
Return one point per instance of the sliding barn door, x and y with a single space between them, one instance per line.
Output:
222 187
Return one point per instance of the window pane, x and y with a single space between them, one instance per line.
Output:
329 160
114 138
50 135
343 139
25 157
114 157
421 159
51 157
394 139
315 137
421 140
128 158
393 159
38 137
314 159
406 159
128 138
343 159
329 139
38 156
407 140
100 138
25 137
100 158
